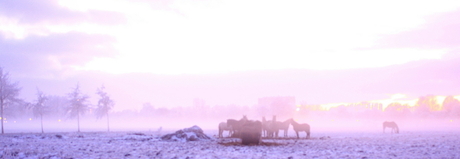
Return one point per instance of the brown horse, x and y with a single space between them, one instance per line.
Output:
236 125
283 126
224 127
300 127
391 124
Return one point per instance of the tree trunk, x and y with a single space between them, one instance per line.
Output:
41 121
1 111
108 128
78 120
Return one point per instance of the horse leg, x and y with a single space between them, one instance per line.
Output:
220 132
297 133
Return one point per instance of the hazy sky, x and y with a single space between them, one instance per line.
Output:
168 52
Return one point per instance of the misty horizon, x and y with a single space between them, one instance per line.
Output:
131 91
175 56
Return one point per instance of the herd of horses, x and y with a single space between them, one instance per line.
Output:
271 128
267 128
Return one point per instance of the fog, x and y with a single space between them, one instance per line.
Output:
137 122
132 90
146 102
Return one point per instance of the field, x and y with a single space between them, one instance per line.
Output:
147 144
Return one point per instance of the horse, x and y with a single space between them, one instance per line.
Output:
269 127
392 125
236 125
223 126
283 126
266 128
300 127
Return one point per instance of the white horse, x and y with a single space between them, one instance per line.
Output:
223 126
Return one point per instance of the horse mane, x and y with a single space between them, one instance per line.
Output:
287 121
293 122
244 118
283 123
300 127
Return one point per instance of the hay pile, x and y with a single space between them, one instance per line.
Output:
193 133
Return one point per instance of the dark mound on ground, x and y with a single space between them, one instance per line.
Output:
251 132
193 133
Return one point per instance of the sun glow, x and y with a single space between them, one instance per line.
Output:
332 105
401 99
395 98
177 37
206 37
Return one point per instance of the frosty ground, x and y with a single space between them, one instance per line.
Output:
409 144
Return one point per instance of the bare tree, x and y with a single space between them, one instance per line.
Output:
8 93
40 107
77 104
104 105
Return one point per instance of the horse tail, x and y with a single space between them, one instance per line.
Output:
308 131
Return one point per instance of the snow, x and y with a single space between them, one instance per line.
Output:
409 144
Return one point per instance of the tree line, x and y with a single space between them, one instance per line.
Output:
74 105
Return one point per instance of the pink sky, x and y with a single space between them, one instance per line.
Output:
169 52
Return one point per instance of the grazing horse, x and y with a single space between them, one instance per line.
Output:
392 125
300 127
223 126
236 125
283 126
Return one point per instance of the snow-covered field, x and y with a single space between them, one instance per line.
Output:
409 144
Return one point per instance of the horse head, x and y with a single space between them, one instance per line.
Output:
244 118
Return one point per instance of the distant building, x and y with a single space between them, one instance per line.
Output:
283 106
288 100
